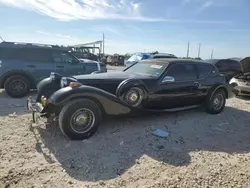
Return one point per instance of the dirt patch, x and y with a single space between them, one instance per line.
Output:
201 150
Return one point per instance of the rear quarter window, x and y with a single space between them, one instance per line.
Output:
9 53
25 54
203 70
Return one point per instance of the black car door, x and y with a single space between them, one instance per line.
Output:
205 81
181 91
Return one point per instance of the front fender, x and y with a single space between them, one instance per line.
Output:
109 102
47 87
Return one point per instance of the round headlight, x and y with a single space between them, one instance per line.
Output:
52 76
64 82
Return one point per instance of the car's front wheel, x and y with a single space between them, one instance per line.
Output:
216 103
80 119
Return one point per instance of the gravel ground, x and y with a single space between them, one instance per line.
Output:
201 150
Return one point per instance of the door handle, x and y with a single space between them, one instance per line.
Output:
32 66
60 66
197 84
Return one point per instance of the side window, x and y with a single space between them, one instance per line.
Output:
203 70
11 54
63 57
36 55
182 72
25 54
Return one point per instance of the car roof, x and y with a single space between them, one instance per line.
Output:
30 45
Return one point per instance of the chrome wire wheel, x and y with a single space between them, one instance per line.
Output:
134 96
218 101
82 120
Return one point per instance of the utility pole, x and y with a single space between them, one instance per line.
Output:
188 50
199 50
2 39
212 53
103 37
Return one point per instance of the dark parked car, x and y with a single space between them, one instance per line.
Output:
23 65
241 82
228 67
151 85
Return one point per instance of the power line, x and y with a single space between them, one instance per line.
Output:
2 39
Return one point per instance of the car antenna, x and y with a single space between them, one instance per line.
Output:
2 39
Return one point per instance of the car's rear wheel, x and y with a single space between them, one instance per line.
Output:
17 86
80 119
216 103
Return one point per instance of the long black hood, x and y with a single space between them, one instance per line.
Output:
110 76
111 80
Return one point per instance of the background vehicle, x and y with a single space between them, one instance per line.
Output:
241 82
142 56
164 55
23 65
83 52
228 67
116 60
137 57
151 85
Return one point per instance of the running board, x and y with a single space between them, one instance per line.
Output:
182 108
176 109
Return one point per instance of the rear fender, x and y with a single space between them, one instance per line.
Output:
109 102
216 87
26 74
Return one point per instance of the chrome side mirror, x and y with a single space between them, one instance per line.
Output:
168 79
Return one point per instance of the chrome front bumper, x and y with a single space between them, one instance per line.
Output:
34 107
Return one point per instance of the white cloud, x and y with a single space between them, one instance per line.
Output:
54 35
108 29
201 4
67 10
205 5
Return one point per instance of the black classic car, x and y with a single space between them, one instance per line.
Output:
80 102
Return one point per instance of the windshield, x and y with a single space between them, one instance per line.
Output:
152 69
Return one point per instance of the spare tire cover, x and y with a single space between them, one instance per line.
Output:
132 92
